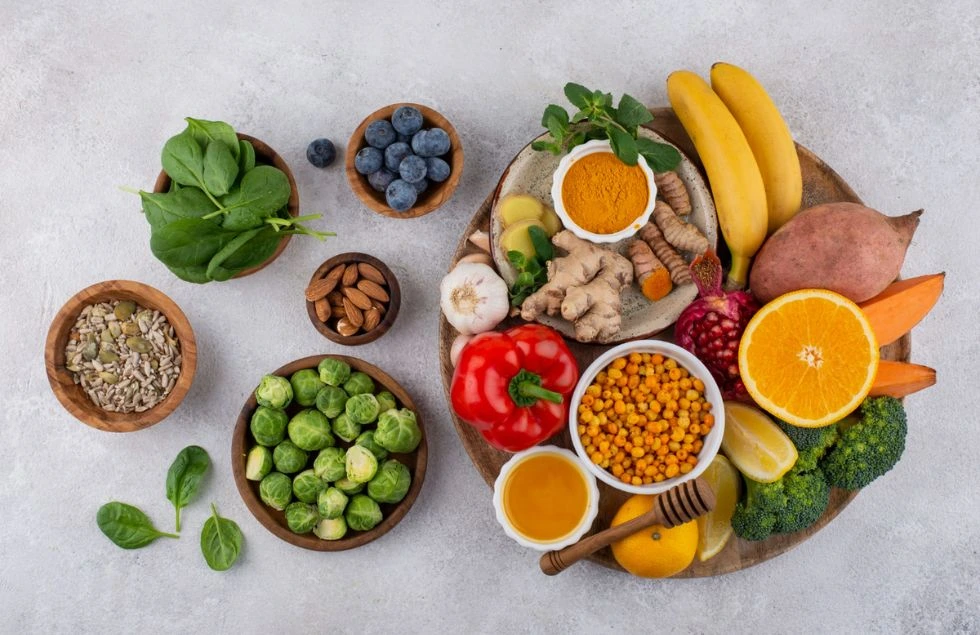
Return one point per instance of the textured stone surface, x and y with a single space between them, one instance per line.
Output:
887 94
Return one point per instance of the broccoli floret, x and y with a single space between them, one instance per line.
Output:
807 496
869 448
817 446
757 515
809 438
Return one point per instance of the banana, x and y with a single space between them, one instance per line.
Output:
736 183
768 136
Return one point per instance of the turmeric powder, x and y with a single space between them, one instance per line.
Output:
602 194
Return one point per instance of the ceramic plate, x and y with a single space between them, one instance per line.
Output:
531 173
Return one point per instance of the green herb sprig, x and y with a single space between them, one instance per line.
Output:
532 273
597 118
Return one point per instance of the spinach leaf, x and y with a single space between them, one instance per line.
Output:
221 541
255 251
183 160
264 189
220 168
246 157
204 132
184 476
218 259
543 248
162 209
191 273
188 241
241 219
127 526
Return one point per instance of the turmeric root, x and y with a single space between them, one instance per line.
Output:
584 287
678 233
679 271
650 273
672 190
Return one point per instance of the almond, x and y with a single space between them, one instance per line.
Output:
371 318
335 298
337 272
380 306
354 315
358 297
338 311
322 309
371 273
373 290
346 328
320 288
350 275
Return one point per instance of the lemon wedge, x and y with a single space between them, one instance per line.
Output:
756 445
715 527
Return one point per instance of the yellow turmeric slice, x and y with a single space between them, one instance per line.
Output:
649 272
678 233
679 271
672 190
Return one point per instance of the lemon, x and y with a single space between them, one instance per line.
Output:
715 527
756 445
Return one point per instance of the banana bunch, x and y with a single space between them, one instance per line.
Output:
747 151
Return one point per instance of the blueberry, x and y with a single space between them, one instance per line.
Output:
381 179
436 169
412 169
395 153
369 160
421 186
400 195
321 153
418 142
380 134
407 120
431 143
404 138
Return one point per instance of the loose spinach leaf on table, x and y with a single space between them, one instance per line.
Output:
127 526
246 157
220 168
221 541
204 132
165 208
184 476
188 241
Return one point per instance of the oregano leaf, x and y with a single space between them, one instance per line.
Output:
661 157
579 95
623 144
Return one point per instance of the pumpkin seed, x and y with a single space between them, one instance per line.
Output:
124 309
138 344
109 378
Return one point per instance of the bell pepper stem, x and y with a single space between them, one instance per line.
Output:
525 389
529 389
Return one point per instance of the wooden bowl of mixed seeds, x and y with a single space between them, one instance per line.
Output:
120 356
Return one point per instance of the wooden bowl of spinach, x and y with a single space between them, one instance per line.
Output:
224 206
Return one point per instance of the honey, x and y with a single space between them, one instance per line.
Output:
545 497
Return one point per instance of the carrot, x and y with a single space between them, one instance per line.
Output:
898 379
902 305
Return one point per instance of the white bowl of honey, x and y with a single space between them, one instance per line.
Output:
545 498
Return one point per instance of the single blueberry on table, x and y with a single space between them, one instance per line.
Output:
379 134
421 186
436 169
368 160
412 169
321 152
395 153
407 120
400 195
381 179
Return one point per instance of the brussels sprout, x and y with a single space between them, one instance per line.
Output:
276 490
362 408
361 464
258 463
274 392
386 401
289 458
330 464
331 503
362 513
310 430
333 372
348 486
268 426
346 429
306 384
307 486
390 484
366 439
331 528
331 401
301 517
359 384
398 431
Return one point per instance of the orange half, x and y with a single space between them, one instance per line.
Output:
809 357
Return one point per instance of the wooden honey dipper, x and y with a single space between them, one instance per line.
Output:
676 506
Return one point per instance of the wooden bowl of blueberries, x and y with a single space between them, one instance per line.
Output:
404 160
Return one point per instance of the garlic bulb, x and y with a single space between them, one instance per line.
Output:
473 298
457 348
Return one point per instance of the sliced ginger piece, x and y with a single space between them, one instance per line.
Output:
552 224
517 238
518 207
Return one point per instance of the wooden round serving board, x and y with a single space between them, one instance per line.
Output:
820 185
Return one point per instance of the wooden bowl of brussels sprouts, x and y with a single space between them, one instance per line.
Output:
329 452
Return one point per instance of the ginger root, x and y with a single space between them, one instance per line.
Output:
650 273
678 233
672 190
679 271
584 287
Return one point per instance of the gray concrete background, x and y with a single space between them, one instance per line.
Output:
887 94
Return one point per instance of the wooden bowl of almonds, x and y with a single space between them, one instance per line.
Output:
353 299
120 356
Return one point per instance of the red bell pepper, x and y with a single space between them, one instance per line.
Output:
514 386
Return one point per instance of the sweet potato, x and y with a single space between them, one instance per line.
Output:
845 247
902 305
898 379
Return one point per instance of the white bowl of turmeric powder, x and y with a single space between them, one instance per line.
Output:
598 197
